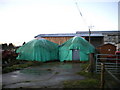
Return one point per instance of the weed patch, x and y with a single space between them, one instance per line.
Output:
87 83
91 80
20 66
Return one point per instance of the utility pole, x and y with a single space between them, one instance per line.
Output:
91 55
90 27
89 34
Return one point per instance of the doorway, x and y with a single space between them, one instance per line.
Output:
75 54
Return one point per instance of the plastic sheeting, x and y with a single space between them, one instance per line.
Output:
38 50
85 48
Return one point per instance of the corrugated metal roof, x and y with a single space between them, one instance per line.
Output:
99 32
56 35
95 35
79 33
66 35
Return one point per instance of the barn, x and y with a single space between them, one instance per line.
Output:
76 48
38 50
96 37
57 38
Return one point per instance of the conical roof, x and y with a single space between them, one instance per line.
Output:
78 43
39 50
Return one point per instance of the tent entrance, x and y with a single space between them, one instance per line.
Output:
75 54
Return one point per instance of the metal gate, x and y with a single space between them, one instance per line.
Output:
111 62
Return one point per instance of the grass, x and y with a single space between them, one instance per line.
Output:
57 72
84 66
87 83
20 66
91 79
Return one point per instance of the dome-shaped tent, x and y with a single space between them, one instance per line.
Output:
38 50
76 48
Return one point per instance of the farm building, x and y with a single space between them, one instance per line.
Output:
76 48
38 50
97 37
57 38
106 49
101 37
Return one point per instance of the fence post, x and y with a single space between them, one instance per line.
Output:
91 68
102 75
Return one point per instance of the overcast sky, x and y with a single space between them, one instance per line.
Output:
21 20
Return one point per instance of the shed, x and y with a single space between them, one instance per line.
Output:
106 49
76 48
38 50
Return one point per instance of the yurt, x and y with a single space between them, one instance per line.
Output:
76 48
38 50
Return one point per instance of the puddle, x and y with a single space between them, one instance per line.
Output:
16 72
14 76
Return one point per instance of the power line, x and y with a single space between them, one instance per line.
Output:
89 27
81 14
78 9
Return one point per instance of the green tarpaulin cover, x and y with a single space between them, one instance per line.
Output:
76 43
38 50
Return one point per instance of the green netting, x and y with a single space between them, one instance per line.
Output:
65 50
38 50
